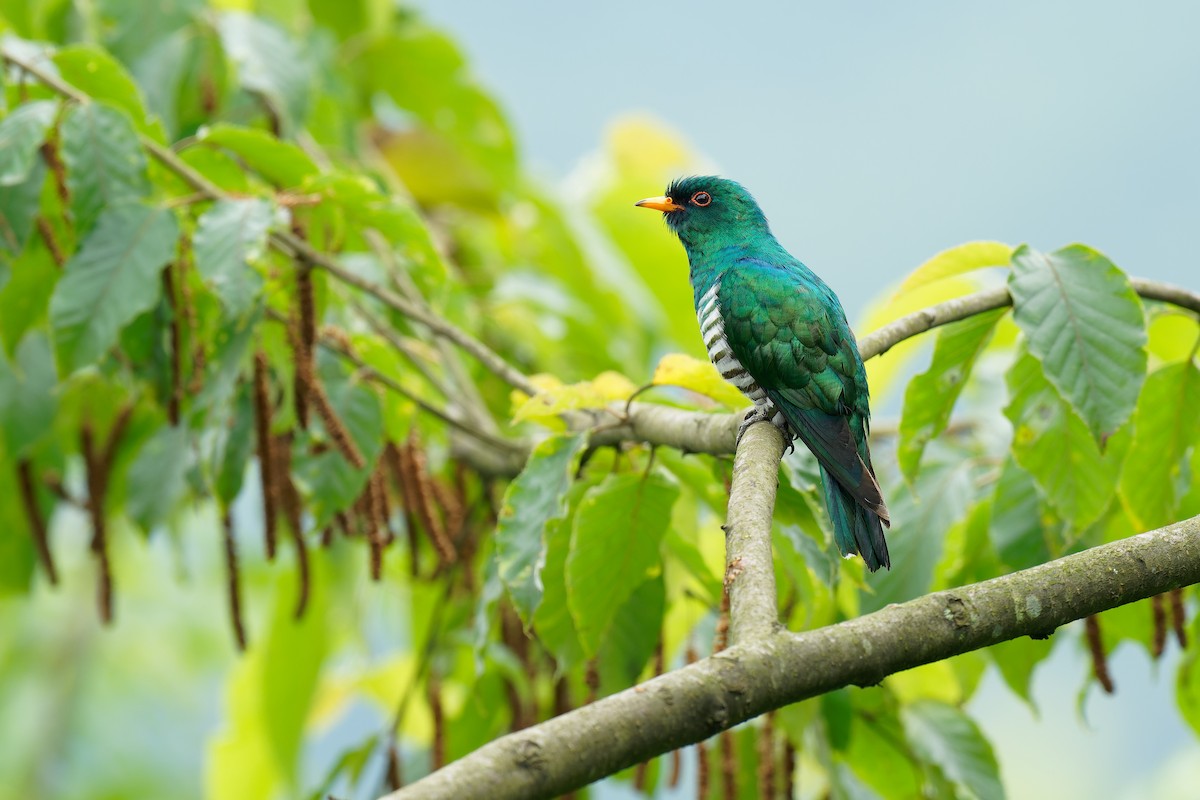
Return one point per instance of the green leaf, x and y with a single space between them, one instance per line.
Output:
1166 425
110 280
269 64
532 500
19 206
1053 445
1187 686
614 548
956 261
1085 323
24 299
931 395
16 543
156 478
21 134
950 740
100 76
228 237
105 163
282 163
28 400
1018 527
634 636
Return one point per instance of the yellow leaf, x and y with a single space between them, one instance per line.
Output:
554 397
678 369
935 681
955 261
1172 336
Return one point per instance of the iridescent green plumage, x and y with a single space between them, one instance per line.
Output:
779 333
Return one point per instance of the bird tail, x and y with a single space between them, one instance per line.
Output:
855 529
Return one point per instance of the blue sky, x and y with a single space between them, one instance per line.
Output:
876 134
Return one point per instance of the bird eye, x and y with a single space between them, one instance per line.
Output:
701 199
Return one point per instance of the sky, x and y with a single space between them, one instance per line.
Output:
877 134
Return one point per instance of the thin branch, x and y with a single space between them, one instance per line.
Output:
751 678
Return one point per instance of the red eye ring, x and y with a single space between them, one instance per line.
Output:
701 199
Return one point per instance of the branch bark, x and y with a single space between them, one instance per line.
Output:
695 702
749 562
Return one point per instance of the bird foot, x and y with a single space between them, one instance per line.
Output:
759 414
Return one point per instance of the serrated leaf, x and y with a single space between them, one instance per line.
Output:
282 163
1166 425
700 376
156 479
931 395
228 237
27 397
1016 660
100 76
19 206
1054 446
269 64
532 500
111 279
1084 322
106 166
964 258
235 449
21 134
947 738
614 548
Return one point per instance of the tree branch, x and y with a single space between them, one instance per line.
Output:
751 678
749 562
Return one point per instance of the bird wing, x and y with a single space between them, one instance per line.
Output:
789 331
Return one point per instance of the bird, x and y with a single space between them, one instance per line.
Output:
778 333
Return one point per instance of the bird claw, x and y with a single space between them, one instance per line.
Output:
757 414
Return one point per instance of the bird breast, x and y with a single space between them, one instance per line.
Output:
712 328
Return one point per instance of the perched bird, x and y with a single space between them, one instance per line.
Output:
779 334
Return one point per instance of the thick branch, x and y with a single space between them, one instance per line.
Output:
749 562
749 679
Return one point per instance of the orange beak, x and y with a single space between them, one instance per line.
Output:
659 204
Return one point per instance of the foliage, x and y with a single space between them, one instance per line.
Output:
415 555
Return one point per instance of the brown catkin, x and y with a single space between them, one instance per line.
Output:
728 766
397 466
58 170
422 486
789 769
1099 659
37 523
395 774
1178 617
303 344
266 458
766 758
175 396
281 447
47 233
95 504
235 593
439 723
1158 611
334 426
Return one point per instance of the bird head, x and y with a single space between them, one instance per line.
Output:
704 208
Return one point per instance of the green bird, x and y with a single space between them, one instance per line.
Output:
779 334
